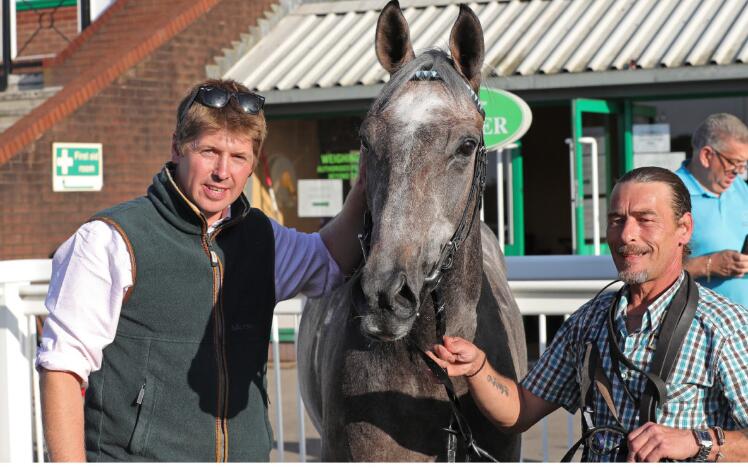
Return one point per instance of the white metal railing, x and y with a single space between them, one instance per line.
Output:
20 298
542 286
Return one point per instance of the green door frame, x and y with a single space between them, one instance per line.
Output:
578 108
625 110
517 203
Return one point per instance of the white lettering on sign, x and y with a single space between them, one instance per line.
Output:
495 126
82 156
65 161
87 168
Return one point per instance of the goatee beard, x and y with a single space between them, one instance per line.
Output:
633 277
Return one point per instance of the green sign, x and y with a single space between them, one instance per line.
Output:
508 117
77 167
342 166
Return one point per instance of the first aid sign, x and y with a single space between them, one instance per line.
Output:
77 167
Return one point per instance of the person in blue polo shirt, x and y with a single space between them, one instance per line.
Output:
720 205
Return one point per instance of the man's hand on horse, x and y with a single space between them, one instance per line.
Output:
654 442
458 356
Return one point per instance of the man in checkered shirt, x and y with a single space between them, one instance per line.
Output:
649 227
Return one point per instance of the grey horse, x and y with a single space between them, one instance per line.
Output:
369 394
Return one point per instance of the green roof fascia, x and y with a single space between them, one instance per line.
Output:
25 5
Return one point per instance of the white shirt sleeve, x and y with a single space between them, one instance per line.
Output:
91 273
302 264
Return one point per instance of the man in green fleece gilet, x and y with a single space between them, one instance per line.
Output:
161 307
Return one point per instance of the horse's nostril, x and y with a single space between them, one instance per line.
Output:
383 301
397 295
405 295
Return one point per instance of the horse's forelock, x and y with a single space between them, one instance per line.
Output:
432 59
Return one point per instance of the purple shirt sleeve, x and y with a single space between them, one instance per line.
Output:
302 264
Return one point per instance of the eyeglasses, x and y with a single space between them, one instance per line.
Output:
735 165
605 440
217 98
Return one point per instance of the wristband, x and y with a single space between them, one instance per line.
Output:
720 435
709 268
485 358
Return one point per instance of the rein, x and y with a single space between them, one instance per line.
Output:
433 283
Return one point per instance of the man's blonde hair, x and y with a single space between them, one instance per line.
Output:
199 118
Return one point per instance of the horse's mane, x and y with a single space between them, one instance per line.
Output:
432 59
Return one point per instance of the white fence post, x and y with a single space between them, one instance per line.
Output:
279 435
15 379
17 346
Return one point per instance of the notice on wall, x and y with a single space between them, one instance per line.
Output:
320 198
670 161
652 138
77 167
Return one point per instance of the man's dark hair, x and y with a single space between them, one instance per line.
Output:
680 199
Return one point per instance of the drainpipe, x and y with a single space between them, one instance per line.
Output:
6 46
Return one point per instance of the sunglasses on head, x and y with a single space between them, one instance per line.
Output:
217 98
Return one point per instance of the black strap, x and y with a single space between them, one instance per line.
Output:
593 377
677 321
672 334
448 250
437 298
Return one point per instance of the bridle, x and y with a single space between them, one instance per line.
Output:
448 250
432 283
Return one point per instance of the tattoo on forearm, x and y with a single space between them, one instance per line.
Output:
500 387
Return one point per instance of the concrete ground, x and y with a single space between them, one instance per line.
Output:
532 440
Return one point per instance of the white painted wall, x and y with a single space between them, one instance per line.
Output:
97 8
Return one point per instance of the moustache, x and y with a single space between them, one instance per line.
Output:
632 250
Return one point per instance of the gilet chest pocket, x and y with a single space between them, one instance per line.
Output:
145 404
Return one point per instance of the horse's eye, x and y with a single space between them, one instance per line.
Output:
467 147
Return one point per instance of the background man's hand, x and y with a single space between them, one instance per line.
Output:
653 442
458 356
729 263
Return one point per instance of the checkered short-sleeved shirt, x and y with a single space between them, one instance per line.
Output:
707 384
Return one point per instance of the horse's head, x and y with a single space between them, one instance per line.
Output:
419 143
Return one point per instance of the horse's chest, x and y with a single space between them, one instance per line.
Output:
390 411
363 374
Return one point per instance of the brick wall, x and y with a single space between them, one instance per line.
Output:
133 118
46 31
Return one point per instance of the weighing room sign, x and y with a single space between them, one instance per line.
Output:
77 167
508 117
342 166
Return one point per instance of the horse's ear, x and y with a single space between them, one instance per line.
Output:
392 40
466 46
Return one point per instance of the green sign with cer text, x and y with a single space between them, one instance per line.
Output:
508 117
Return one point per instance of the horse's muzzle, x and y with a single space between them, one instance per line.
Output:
387 309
